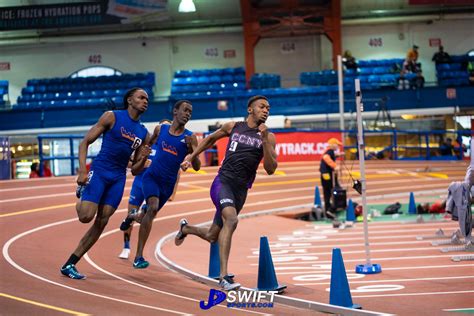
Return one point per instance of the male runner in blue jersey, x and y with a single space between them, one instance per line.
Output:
123 134
249 141
135 201
174 143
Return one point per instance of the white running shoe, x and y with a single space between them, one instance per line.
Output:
125 253
228 284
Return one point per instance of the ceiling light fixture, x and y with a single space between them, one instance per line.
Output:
186 6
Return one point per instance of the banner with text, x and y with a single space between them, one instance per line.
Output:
89 13
294 146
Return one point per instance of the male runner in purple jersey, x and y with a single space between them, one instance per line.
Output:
249 142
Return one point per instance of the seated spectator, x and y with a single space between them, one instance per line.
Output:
46 169
287 123
348 60
459 147
413 54
406 81
446 148
34 170
441 57
417 82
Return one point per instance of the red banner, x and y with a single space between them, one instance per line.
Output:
294 146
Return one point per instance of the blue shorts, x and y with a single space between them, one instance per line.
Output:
136 193
225 194
104 188
153 185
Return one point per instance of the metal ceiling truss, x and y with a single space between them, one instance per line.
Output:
287 18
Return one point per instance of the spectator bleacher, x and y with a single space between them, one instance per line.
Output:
204 83
454 73
373 74
265 81
82 92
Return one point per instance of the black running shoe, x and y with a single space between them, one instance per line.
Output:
127 222
179 238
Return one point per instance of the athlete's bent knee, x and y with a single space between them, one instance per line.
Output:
86 218
212 238
231 222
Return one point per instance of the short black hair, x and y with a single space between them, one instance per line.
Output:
128 94
177 105
165 120
255 98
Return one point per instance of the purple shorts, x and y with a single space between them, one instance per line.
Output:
224 194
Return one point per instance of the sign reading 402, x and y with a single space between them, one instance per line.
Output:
95 59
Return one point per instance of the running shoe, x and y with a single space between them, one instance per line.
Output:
138 216
127 222
140 263
125 253
178 240
71 272
228 284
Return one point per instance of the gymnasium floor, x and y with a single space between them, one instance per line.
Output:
40 229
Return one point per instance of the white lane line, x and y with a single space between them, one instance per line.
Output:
323 230
38 187
7 257
369 191
37 197
390 224
394 280
360 260
319 238
413 294
470 309
323 267
92 263
338 245
276 254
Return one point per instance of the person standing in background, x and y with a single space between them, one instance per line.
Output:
328 167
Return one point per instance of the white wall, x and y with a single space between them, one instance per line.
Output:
189 51
269 58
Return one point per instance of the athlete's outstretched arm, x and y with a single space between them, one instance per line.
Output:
208 142
105 122
196 162
269 153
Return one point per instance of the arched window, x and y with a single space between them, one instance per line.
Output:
96 71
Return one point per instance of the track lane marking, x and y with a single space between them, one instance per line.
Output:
7 257
372 197
412 294
59 309
318 268
394 280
